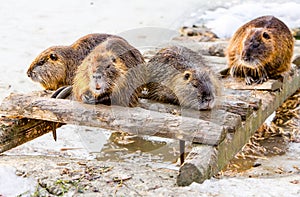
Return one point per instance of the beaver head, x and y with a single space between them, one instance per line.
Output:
104 70
103 75
182 72
49 68
194 88
260 49
257 48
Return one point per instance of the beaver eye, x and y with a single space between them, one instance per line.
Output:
266 35
187 76
53 57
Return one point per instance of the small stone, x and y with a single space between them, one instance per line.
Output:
20 173
296 60
295 181
200 33
296 32
217 50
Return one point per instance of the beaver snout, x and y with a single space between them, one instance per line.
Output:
207 101
254 45
207 104
29 73
247 55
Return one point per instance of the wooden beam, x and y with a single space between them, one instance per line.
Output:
14 132
131 120
239 84
197 165
216 158
229 120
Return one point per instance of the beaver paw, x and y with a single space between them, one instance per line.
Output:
249 80
88 98
261 80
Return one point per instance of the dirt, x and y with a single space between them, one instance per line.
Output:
65 176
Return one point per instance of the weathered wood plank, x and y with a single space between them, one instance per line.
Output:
239 84
197 165
216 68
230 121
206 48
225 151
239 107
132 120
241 103
14 132
216 60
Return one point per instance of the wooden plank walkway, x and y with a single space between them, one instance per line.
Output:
217 135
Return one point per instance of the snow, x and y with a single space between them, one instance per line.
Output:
225 21
19 184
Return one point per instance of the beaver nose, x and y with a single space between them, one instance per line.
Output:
246 54
207 99
255 45
29 73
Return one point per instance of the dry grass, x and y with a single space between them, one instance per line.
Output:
283 128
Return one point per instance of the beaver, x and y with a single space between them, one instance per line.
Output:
260 49
110 74
178 75
55 67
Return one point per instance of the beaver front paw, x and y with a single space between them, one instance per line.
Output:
89 98
262 80
249 80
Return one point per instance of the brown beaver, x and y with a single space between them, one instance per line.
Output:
110 74
178 75
55 67
260 49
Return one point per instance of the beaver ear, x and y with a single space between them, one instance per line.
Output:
266 35
53 57
187 75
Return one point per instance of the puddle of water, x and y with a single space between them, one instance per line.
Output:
137 149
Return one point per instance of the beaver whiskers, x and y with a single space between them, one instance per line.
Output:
253 72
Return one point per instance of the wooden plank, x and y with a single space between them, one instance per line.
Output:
239 84
197 165
225 151
241 108
14 132
216 60
132 120
216 49
230 121
241 103
216 68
